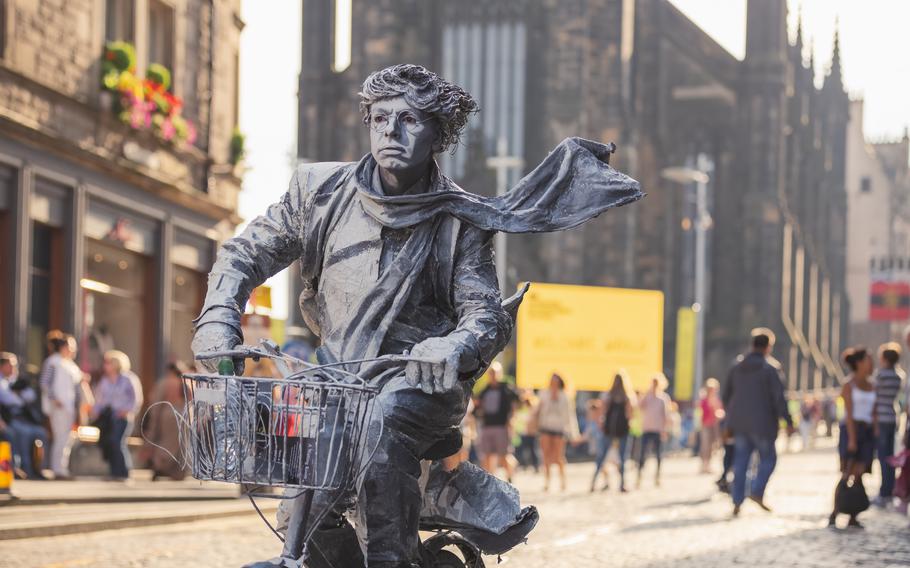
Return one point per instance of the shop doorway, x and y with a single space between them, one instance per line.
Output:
46 289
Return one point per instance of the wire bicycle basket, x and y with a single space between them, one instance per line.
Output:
307 430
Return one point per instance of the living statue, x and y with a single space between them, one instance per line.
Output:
396 258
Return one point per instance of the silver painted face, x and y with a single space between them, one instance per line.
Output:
401 137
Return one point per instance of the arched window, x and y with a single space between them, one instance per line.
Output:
341 57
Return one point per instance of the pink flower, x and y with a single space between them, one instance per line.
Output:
167 129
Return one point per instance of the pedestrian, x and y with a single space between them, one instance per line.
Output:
809 415
857 433
655 423
495 406
556 422
712 412
525 424
20 420
592 434
60 382
753 397
619 404
888 384
676 437
118 396
829 413
728 441
160 427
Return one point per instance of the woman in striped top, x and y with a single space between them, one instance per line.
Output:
888 384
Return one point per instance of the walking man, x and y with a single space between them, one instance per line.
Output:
754 398
496 407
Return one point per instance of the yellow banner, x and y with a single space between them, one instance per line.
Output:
261 297
684 375
587 333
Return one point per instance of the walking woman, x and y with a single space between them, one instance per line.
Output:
60 380
857 436
655 422
712 412
525 424
556 421
117 398
619 405
888 384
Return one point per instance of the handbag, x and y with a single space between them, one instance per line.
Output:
902 484
851 495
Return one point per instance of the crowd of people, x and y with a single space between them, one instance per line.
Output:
41 413
507 428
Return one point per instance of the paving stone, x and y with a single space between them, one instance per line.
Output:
685 524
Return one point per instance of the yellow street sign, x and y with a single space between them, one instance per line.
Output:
684 375
588 333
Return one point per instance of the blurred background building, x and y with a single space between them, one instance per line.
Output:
117 177
643 75
878 251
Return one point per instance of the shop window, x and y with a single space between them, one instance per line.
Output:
115 303
236 88
186 301
47 266
2 28
161 35
119 18
45 288
7 242
192 259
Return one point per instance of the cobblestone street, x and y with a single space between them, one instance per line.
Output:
684 523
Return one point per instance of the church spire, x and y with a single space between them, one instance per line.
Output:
812 57
835 75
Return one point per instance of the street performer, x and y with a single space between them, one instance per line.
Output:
395 258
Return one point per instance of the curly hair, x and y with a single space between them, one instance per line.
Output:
448 103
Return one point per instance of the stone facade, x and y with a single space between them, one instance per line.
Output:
51 90
641 74
63 150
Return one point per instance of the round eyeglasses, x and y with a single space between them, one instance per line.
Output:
380 122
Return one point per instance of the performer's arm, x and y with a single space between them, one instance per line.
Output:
483 327
482 322
269 244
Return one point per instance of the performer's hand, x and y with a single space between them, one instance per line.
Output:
216 336
439 372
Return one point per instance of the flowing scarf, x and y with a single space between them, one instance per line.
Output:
572 185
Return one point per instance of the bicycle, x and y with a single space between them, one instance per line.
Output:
308 431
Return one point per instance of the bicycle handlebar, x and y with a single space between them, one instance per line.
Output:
246 352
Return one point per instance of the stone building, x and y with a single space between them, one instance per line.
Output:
641 74
114 191
878 240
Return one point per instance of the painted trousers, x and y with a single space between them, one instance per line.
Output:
405 424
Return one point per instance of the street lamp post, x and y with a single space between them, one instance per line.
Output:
702 223
502 163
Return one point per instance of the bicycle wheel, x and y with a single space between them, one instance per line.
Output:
446 559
